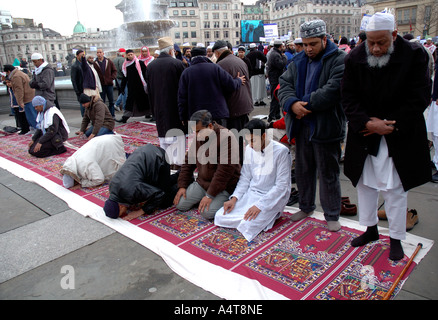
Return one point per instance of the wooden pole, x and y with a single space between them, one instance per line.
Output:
394 285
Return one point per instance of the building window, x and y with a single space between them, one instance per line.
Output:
177 35
217 34
193 34
175 12
184 24
207 34
193 23
183 12
192 12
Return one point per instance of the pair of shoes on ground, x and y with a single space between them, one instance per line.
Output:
411 218
372 234
347 208
333 226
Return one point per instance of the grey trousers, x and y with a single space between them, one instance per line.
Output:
194 195
318 160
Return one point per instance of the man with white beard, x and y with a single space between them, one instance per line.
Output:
385 90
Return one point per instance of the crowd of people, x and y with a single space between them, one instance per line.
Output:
373 94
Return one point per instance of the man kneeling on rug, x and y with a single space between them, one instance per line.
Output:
95 162
52 130
144 180
215 154
263 188
98 114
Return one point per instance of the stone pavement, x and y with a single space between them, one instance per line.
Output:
43 242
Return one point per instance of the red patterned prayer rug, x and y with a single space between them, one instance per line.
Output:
294 260
301 260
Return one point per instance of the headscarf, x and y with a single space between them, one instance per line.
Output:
44 119
145 58
127 63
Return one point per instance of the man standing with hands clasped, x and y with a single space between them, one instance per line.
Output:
385 90
310 94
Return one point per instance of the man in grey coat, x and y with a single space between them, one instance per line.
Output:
310 94
43 80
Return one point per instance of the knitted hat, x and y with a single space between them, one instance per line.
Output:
313 29
38 101
111 209
84 98
199 51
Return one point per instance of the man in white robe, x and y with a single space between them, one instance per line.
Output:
96 161
263 188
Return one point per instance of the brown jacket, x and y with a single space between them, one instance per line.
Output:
110 72
99 115
20 85
214 178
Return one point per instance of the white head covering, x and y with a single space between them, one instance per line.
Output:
381 21
252 45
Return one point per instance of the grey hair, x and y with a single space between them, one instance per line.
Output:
167 49
203 116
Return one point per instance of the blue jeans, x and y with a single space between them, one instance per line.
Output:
108 91
121 100
31 114
101 132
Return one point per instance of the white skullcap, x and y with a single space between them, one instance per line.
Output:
298 41
36 56
381 21
201 45
252 45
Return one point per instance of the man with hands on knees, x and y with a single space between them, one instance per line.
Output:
98 114
264 185
214 153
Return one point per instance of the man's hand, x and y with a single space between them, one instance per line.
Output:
378 126
91 136
252 213
37 147
299 109
79 133
242 78
204 205
181 193
229 205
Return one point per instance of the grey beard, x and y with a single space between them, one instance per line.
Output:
379 62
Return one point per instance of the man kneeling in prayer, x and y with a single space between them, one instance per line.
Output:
95 162
52 130
263 188
144 178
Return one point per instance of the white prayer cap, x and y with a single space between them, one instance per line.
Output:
252 45
298 41
201 45
381 21
36 56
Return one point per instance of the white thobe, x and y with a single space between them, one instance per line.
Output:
379 175
265 181
96 161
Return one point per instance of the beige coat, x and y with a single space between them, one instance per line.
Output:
20 85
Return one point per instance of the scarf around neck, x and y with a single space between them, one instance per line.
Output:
127 63
41 67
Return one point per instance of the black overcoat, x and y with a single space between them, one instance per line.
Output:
399 91
162 77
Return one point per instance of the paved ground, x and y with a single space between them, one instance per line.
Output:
41 237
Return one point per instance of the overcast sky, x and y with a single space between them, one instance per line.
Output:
61 15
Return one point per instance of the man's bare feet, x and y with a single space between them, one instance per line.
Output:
133 215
